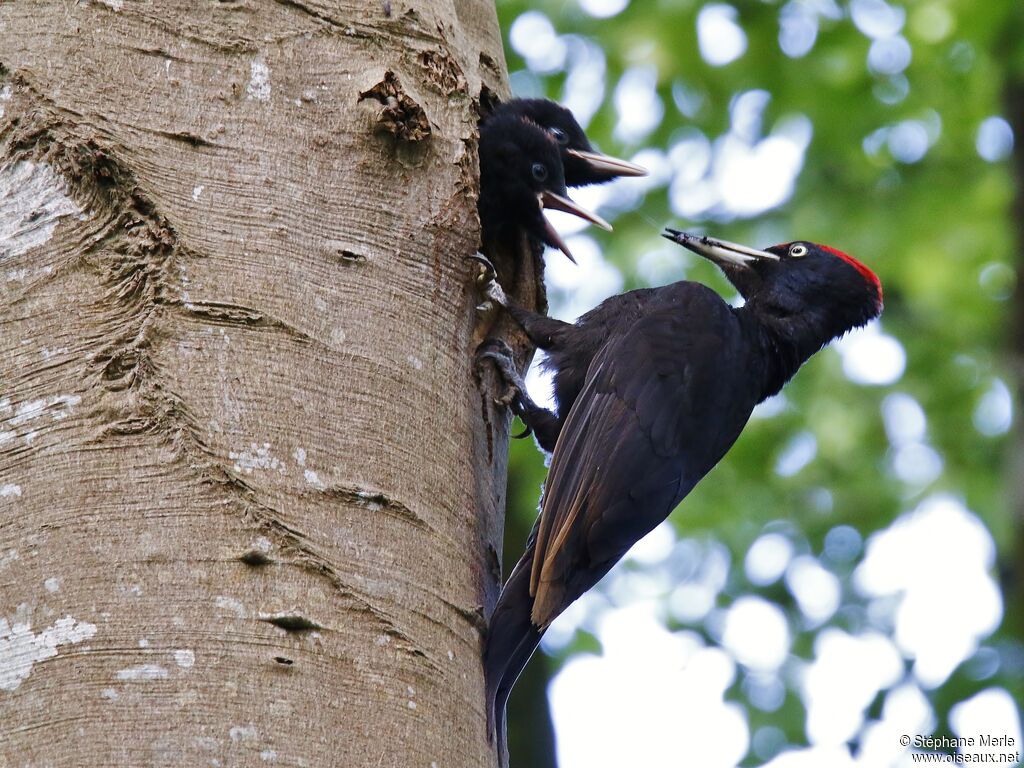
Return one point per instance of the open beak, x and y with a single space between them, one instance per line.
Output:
557 202
611 166
561 203
721 252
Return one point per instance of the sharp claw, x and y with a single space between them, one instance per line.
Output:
487 269
525 433
514 396
488 278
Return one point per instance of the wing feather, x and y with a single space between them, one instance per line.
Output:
635 442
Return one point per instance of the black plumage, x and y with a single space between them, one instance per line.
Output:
520 175
569 350
655 387
581 162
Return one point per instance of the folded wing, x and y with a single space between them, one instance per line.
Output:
655 415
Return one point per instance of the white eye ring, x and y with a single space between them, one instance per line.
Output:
798 250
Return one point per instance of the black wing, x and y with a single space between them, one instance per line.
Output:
662 404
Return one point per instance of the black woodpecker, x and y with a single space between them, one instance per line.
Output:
654 390
520 175
582 164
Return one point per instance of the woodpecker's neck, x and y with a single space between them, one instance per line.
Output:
784 343
502 216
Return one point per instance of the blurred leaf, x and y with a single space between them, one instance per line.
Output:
930 228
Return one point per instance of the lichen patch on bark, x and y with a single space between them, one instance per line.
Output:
33 200
21 648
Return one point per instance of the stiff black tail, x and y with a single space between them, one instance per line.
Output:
511 641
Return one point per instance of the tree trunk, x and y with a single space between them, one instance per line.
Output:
249 487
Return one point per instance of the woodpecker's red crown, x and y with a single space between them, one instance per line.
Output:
863 270
813 292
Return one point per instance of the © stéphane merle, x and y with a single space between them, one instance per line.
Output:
520 175
655 390
582 164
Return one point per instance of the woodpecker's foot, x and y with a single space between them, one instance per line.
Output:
487 270
487 279
500 353
514 396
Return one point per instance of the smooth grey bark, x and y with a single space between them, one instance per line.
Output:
249 484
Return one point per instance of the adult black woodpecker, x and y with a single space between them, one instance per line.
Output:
657 398
521 174
582 163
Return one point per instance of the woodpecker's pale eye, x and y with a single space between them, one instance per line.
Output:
540 171
798 251
560 136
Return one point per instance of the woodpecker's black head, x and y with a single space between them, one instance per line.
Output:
520 175
581 163
810 292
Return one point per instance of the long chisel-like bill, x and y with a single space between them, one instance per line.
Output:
554 239
721 252
559 203
612 166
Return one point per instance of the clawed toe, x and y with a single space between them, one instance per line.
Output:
500 353
487 270
495 293
497 350
524 434
488 280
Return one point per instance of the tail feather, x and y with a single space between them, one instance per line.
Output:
523 653
511 641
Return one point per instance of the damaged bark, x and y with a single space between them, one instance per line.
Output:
250 489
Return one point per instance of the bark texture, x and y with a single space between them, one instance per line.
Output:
249 486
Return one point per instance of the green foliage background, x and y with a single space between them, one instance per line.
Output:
932 230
